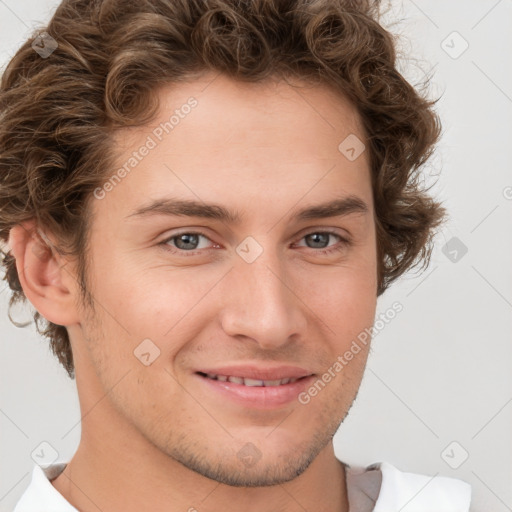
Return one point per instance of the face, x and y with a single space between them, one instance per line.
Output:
177 292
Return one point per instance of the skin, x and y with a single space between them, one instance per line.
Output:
156 437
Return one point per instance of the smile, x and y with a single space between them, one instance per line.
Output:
247 381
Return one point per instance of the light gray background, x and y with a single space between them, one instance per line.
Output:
440 371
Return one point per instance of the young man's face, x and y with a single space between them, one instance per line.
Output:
257 292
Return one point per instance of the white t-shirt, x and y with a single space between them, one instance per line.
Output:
378 488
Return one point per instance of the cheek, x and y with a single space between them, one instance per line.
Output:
344 295
347 310
146 302
150 318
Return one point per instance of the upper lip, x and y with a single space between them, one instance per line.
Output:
259 372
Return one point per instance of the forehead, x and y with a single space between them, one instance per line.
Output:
272 111
216 136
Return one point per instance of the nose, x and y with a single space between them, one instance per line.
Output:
263 302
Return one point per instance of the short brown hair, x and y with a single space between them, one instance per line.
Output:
58 114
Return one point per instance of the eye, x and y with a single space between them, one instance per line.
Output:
322 238
187 241
190 242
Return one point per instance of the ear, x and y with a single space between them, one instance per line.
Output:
46 277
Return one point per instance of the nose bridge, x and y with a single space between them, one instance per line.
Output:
261 303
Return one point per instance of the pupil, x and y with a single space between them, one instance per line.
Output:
188 239
325 236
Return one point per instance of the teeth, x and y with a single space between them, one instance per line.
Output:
251 382
273 382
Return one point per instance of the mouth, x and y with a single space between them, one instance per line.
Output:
248 392
246 381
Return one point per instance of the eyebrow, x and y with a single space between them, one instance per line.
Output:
191 208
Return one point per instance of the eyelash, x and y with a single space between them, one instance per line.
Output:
344 242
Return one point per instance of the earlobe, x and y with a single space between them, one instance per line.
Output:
46 281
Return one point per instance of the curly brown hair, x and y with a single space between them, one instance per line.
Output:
58 114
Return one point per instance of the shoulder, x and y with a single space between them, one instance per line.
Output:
382 487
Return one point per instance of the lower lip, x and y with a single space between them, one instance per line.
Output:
261 397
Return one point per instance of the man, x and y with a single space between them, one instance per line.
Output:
203 200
